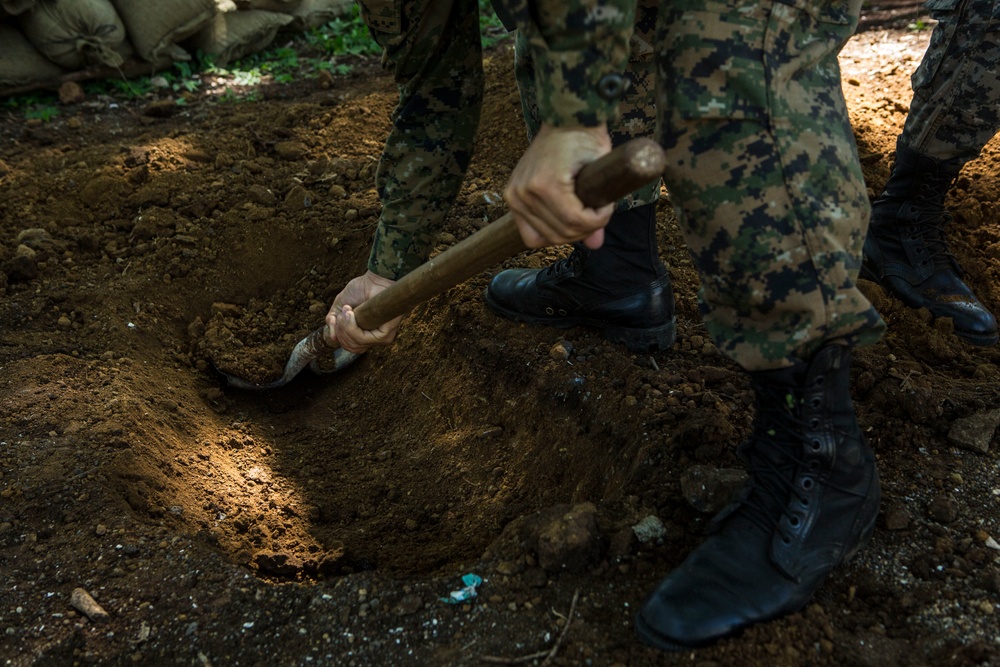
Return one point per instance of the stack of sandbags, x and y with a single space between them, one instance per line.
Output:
41 40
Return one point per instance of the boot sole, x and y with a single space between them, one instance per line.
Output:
979 340
635 340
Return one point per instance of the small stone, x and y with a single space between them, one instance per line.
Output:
101 529
409 605
71 93
650 529
508 568
560 351
298 198
291 150
261 196
571 540
943 509
710 489
64 322
82 601
897 518
975 431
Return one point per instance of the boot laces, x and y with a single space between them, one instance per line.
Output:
931 218
567 265
775 455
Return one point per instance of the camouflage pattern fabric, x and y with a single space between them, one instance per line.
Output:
578 47
636 115
764 173
434 50
956 89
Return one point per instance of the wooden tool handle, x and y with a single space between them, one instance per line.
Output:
599 183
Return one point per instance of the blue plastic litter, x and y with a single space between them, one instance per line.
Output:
472 582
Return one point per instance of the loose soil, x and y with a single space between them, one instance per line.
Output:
322 523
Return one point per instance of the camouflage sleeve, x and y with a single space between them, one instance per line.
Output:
580 49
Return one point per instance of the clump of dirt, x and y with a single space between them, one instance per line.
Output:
329 521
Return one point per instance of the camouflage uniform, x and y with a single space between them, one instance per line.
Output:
434 50
956 89
762 165
637 107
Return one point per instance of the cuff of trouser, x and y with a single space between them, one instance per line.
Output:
395 253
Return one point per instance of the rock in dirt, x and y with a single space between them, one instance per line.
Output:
261 196
710 489
291 150
82 601
565 537
20 269
298 198
943 509
975 432
71 93
649 530
408 605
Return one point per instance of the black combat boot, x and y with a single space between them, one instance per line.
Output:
810 504
906 251
622 288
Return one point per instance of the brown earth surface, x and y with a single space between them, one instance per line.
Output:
323 522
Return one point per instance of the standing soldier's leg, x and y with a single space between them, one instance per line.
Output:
764 172
955 112
623 288
434 51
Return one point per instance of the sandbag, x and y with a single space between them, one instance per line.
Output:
156 28
15 7
75 33
233 35
314 13
20 61
280 6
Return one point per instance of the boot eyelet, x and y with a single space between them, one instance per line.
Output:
794 521
816 445
806 483
814 465
562 312
814 423
815 402
786 540
549 311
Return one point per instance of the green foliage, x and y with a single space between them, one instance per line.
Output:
918 25
344 37
490 27
42 112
